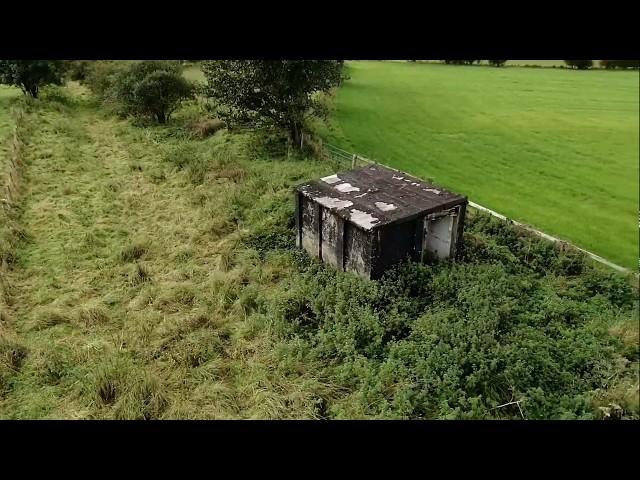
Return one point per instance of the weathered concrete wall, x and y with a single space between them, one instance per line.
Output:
357 250
330 239
310 221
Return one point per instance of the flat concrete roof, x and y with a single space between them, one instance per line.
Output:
373 196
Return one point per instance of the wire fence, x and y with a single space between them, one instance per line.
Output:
346 159
354 160
327 151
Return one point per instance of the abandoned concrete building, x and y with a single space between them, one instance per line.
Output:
368 219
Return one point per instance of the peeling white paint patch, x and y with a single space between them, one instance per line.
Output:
432 190
397 178
346 188
331 179
407 180
414 183
331 202
385 207
361 195
363 219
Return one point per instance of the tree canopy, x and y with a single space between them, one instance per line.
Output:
276 92
30 75
579 64
151 88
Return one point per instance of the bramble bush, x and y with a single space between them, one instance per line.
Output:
517 319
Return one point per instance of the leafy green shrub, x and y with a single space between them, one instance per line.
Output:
101 76
613 287
271 239
77 70
151 88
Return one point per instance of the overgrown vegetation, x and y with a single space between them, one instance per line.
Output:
517 329
77 70
101 76
158 278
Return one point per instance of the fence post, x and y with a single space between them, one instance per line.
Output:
353 161
301 140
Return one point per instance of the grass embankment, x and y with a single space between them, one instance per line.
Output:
158 279
557 149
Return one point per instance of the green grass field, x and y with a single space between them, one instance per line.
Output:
557 149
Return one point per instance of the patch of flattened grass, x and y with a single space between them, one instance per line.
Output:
93 314
144 399
48 317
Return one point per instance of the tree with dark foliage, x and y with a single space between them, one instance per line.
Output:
275 92
151 88
461 62
160 93
497 63
579 64
30 75
77 70
624 64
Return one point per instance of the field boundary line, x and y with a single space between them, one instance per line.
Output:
337 153
550 238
